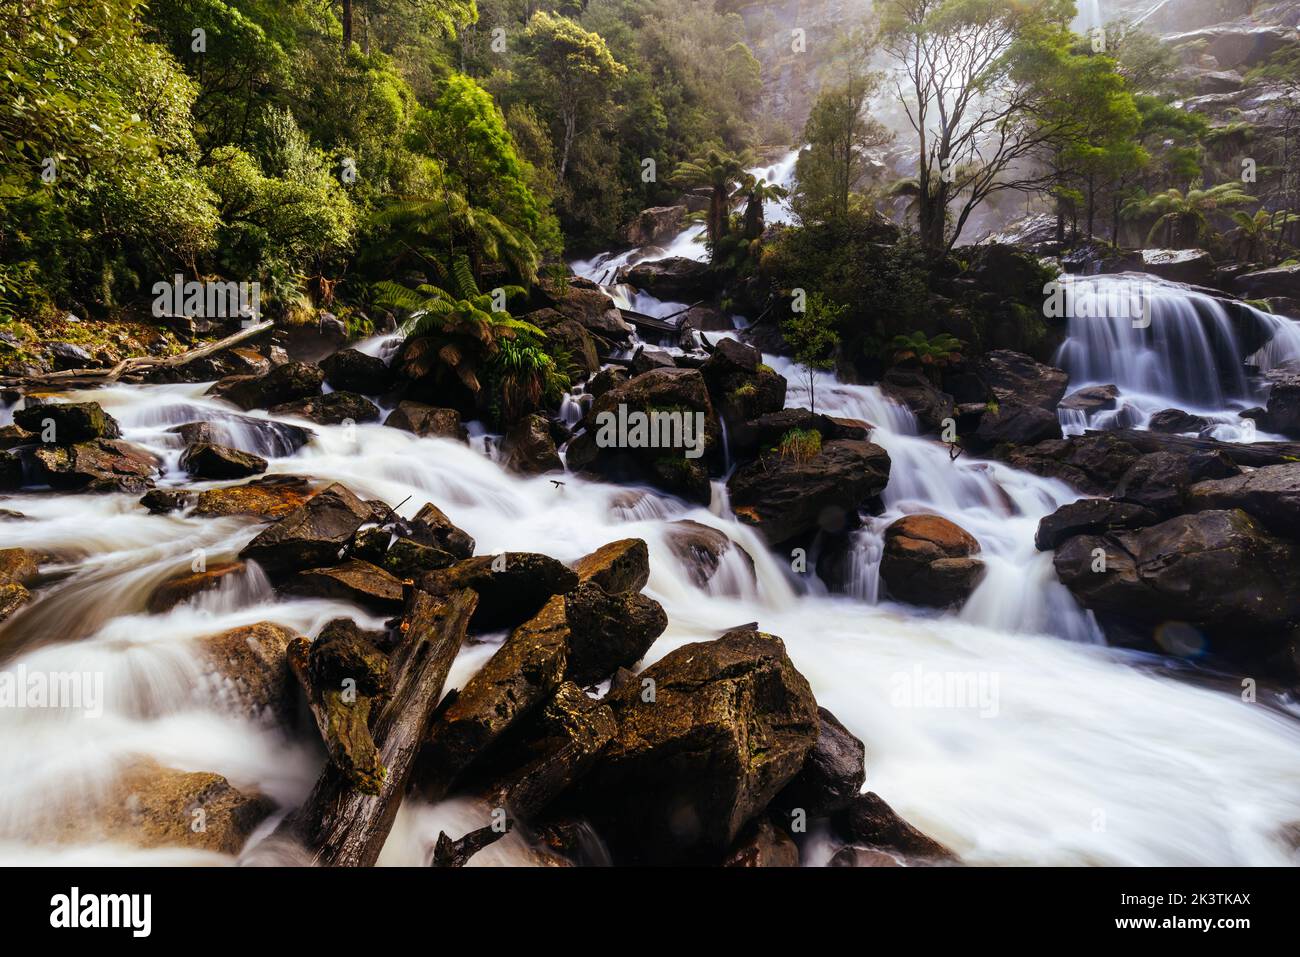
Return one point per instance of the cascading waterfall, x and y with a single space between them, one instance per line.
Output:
1167 346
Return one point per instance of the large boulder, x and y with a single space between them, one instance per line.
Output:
312 535
928 560
1090 516
1235 45
203 460
1283 411
181 588
911 388
570 335
1217 570
703 550
585 302
1013 376
649 430
832 775
427 420
765 432
18 566
529 449
1176 420
1193 266
676 278
871 823
101 465
706 738
245 671
264 437
286 383
512 586
1270 494
270 497
1091 399
608 631
617 567
741 387
431 526
350 370
67 423
786 496
654 224
1280 282
1015 423
355 581
1094 464
333 408
1160 480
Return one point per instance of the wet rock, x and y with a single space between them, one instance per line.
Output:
529 449
1193 266
103 465
350 370
648 359
832 775
871 822
246 433
68 423
675 279
1093 464
524 672
1278 282
1092 399
1217 570
11 471
1013 376
431 526
270 497
160 501
701 549
399 556
928 560
584 301
617 567
608 632
12 436
183 587
783 497
333 408
512 586
1158 480
1270 494
427 420
606 379
18 566
740 386
354 580
1235 45
856 856
761 844
246 671
1091 516
1015 423
12 597
153 806
570 335
1283 411
654 224
286 383
655 455
1176 420
207 461
765 432
342 652
928 403
312 535
706 318
730 724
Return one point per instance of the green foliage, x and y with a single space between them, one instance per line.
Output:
800 445
1184 216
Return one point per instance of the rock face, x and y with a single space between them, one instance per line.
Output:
911 388
183 587
207 461
677 279
312 535
652 448
68 423
1270 494
831 776
1281 282
570 335
784 498
1218 570
1093 464
1013 376
1194 266
349 370
1090 516
1016 423
929 561
354 580
247 672
427 420
529 449
334 408
654 224
287 383
102 465
730 724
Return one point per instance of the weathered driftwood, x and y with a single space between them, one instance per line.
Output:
449 853
134 366
340 825
1253 455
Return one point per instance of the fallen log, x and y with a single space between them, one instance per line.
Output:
1253 455
449 853
340 825
135 365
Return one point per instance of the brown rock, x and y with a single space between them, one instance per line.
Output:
247 672
927 561
354 581
617 567
312 535
183 587
270 498
427 420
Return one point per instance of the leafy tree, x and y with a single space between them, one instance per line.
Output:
1254 232
813 338
720 173
756 191
1185 216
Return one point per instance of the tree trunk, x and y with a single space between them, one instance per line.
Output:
570 133
1092 203
342 826
347 26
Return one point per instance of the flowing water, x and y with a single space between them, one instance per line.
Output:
1070 753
